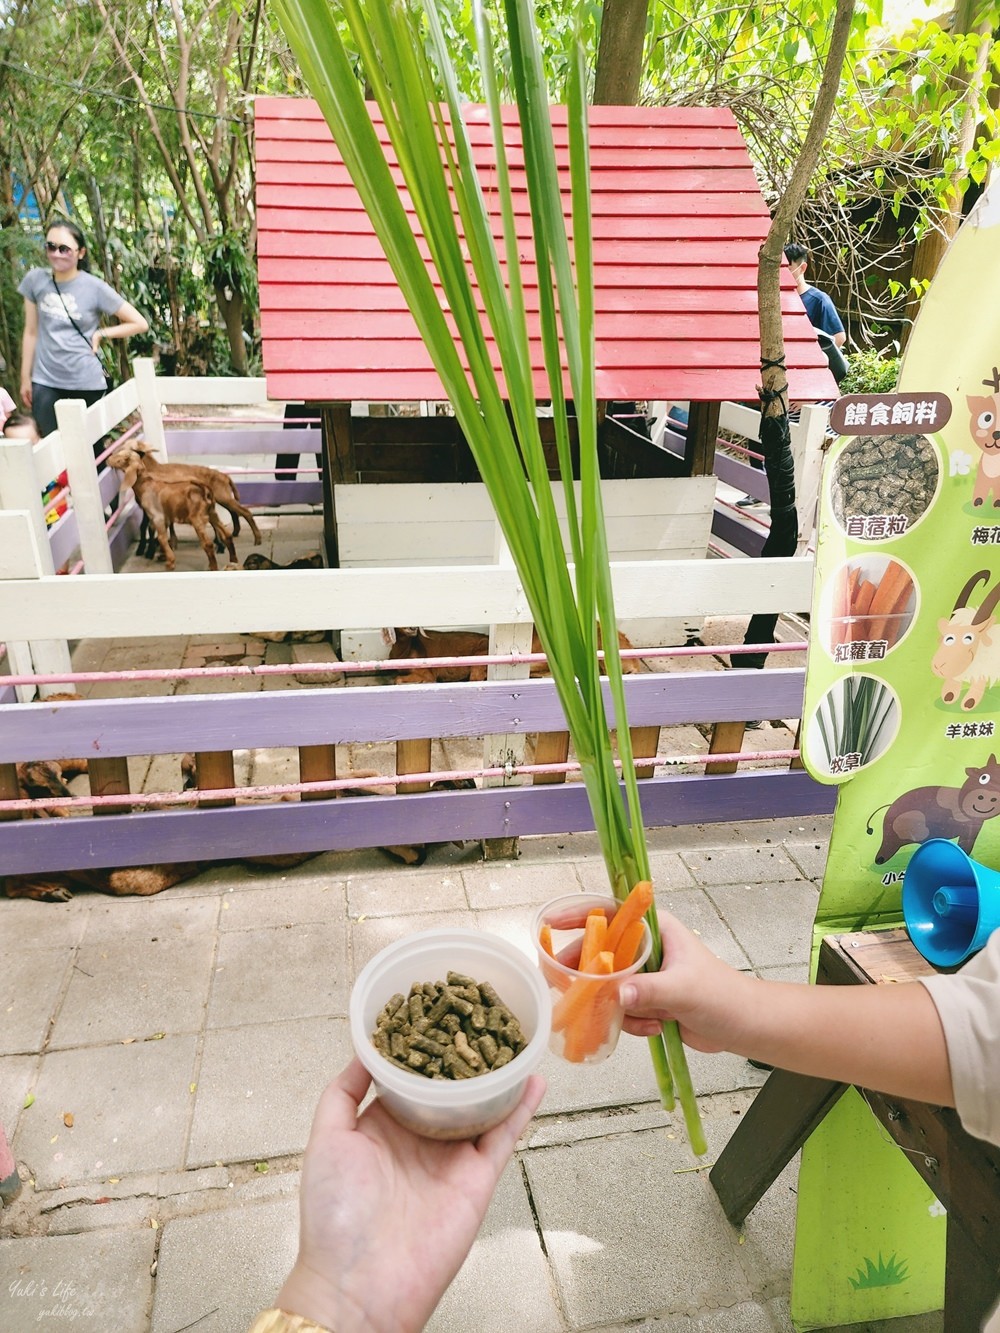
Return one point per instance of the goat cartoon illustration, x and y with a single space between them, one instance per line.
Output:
941 812
968 656
984 424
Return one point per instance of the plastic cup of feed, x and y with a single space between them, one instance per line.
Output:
463 1108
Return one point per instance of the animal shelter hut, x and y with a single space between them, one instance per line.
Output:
678 220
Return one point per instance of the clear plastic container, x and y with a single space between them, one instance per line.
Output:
465 1108
597 1012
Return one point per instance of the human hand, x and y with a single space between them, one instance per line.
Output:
709 1000
387 1217
25 392
96 340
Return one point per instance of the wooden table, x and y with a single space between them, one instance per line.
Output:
962 1171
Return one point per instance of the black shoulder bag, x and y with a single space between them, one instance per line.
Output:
108 381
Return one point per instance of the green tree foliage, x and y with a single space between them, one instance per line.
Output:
135 116
914 127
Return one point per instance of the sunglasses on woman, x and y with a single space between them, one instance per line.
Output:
53 249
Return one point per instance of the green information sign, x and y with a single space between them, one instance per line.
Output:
902 711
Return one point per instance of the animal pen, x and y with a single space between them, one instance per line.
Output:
409 538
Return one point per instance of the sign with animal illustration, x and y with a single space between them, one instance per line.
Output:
901 711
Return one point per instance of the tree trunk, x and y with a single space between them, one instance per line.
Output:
231 310
774 436
619 53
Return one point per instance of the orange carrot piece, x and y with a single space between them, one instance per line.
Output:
594 934
568 1007
628 946
545 939
588 1024
635 906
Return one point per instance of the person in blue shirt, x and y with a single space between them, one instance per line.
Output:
820 309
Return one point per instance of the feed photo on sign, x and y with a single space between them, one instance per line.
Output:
869 605
854 724
882 484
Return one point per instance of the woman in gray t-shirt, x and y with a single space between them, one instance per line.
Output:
63 305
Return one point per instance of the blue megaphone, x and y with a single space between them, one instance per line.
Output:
951 904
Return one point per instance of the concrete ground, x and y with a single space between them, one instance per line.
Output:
160 1059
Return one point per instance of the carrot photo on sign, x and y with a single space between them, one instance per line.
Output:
873 600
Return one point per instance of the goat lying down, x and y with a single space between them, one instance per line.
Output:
415 643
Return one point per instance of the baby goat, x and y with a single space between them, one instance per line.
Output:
222 487
168 502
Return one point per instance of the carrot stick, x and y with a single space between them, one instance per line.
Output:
594 934
569 1007
635 906
545 939
628 946
589 1023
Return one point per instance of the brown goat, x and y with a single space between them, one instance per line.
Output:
219 484
168 502
417 643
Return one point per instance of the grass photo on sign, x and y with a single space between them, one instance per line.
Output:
570 601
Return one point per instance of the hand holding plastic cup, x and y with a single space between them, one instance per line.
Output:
587 1014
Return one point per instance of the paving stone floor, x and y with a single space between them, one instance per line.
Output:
188 1036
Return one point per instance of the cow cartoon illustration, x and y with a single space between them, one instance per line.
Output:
940 812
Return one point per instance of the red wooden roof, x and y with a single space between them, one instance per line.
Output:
678 221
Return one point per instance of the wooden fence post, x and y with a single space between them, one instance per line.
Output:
150 407
78 445
21 490
508 749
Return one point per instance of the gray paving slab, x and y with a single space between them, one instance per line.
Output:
130 1108
258 1087
133 987
699 913
282 972
17 1075
256 902
93 1282
810 857
165 917
382 894
506 1282
772 923
31 925
741 865
746 1317
667 869
645 1235
31 983
375 933
508 883
216 1272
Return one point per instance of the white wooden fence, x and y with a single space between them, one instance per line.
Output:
40 612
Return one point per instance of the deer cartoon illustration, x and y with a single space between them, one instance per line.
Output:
984 424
